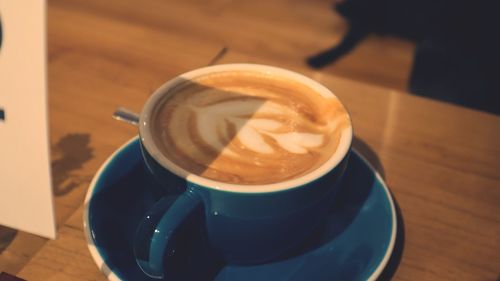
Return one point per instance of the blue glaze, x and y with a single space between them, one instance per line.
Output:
245 228
157 229
349 245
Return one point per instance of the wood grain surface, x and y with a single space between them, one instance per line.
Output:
441 162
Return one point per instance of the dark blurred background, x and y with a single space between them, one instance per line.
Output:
457 45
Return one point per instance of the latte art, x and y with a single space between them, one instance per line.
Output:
248 128
252 121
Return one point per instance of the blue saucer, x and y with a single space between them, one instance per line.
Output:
354 243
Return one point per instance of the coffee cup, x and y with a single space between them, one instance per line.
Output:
261 149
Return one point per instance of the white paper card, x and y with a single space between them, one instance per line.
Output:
26 201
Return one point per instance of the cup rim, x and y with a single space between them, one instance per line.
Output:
153 150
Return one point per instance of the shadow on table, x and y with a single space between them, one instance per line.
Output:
69 155
71 152
7 235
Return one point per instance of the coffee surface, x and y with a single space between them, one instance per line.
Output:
247 127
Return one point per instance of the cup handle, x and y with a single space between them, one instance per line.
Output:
157 227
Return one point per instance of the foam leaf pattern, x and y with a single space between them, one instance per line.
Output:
251 129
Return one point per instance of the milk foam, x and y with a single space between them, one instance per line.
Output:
249 128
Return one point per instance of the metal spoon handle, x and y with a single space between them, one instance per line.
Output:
126 115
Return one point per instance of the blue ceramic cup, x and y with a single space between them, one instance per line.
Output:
246 224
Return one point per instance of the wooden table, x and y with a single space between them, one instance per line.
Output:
441 162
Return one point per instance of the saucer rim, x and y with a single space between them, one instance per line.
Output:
112 276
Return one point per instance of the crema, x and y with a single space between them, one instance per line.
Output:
247 127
